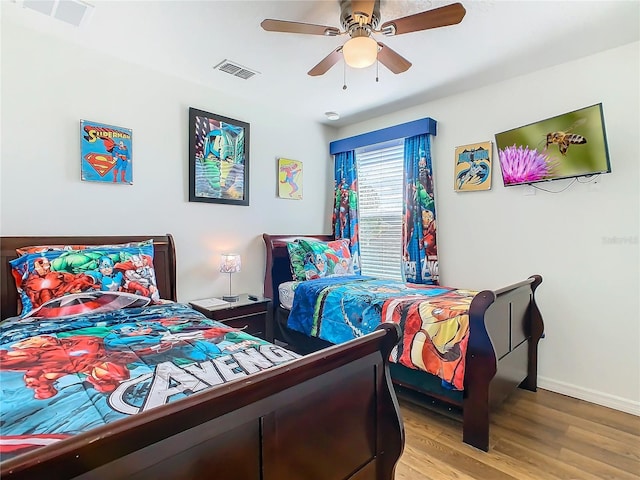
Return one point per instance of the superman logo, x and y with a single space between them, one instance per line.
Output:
100 162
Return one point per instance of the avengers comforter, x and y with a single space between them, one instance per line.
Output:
60 377
434 319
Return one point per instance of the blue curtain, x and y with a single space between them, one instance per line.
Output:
345 211
420 252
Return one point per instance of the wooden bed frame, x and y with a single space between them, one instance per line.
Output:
329 415
505 327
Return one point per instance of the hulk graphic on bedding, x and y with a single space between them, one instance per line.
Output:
62 377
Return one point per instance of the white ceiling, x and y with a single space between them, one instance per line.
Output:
495 40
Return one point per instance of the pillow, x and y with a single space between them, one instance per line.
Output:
46 248
51 274
296 260
85 303
326 259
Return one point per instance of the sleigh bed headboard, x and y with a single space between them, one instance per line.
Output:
278 267
164 262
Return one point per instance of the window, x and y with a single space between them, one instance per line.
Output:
380 195
379 158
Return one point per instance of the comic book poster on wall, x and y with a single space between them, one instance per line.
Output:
289 179
218 159
105 152
473 167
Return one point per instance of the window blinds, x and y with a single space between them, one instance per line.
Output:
380 195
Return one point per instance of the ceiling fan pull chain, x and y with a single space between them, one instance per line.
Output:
344 80
377 65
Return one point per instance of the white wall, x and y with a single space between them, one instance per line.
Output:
49 85
583 241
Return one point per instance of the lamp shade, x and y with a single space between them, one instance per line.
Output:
230 263
360 52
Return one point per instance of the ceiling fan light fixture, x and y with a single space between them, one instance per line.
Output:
360 52
359 20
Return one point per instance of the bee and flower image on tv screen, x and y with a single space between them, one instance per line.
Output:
570 145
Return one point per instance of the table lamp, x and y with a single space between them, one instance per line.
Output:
230 263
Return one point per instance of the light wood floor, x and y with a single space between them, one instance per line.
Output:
540 435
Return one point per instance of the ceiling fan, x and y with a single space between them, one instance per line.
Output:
360 19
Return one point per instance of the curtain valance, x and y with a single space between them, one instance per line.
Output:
410 129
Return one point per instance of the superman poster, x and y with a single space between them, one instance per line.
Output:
106 153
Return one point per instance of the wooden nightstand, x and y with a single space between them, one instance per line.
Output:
253 316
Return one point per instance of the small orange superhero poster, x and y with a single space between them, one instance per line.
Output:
473 167
106 153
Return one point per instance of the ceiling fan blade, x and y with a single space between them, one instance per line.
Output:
392 59
297 27
326 63
364 7
438 17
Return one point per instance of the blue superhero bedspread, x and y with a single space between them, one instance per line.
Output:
434 319
62 377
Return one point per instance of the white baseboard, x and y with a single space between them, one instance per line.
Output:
592 396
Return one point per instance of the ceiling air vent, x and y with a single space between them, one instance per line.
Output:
73 12
235 69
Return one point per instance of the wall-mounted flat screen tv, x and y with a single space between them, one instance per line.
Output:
570 145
